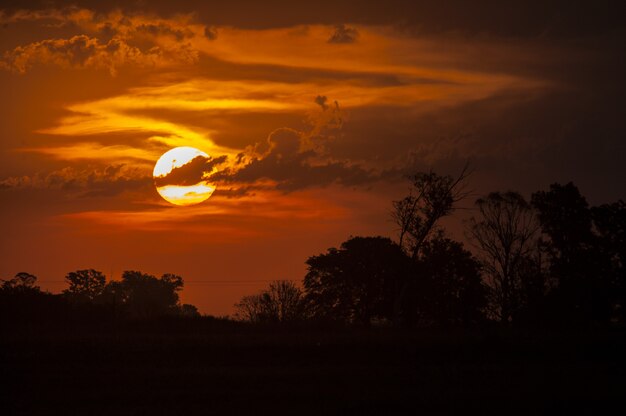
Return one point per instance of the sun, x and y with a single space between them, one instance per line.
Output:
180 176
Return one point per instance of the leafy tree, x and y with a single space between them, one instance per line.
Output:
448 289
577 263
281 302
566 218
142 295
21 282
174 282
23 302
357 282
506 233
85 285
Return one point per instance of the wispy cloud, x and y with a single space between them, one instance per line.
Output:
263 213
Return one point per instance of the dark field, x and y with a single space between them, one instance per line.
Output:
209 367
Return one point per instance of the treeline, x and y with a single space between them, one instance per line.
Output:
89 296
553 260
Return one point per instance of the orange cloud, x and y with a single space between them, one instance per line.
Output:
82 51
95 151
360 66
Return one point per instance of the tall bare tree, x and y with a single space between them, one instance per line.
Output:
506 233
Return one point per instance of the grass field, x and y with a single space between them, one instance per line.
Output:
210 367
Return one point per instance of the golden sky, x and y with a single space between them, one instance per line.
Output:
310 120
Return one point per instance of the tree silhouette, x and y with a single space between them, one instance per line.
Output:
189 311
448 289
21 282
431 198
506 233
23 302
610 224
252 308
580 268
357 282
174 283
281 302
85 285
140 295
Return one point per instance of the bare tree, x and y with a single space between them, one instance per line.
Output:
282 301
432 197
506 233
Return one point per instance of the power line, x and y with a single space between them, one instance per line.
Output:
204 281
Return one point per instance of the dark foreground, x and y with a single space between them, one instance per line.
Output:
215 368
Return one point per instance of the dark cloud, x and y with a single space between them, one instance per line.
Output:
235 192
321 100
163 29
343 34
292 168
219 69
191 173
514 140
87 182
210 32
516 18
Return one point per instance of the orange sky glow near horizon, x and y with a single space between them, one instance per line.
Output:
311 130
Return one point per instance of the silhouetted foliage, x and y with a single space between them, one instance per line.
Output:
610 224
85 285
189 311
431 198
22 282
506 233
447 288
141 295
22 301
281 302
89 298
252 308
579 267
357 282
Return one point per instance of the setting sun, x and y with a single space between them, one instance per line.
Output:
180 176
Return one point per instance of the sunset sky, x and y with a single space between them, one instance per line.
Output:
312 115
